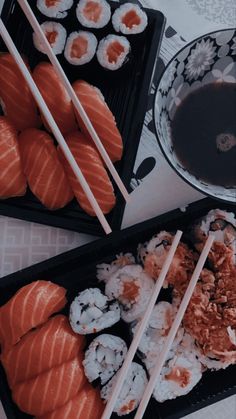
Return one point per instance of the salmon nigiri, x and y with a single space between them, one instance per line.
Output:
101 118
55 96
31 306
41 349
87 404
51 389
15 97
12 179
93 170
43 169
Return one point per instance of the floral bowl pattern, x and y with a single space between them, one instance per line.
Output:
211 58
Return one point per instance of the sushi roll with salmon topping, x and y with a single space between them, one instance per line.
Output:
57 9
91 165
43 169
55 96
12 178
80 47
101 118
112 52
93 13
129 19
133 288
104 357
132 390
16 99
56 36
91 312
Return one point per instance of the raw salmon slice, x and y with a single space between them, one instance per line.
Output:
101 118
131 19
51 345
31 306
43 169
50 390
76 407
12 179
93 170
55 96
16 99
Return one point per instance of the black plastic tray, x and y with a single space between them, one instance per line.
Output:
126 92
76 270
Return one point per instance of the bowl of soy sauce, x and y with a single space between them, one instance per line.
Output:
195 114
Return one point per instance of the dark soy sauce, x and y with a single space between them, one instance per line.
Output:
204 133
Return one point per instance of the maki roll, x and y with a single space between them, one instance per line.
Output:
91 312
104 357
93 13
132 287
56 36
221 223
132 390
129 19
113 52
56 9
106 270
80 47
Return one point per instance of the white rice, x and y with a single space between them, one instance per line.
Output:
132 390
104 17
91 312
104 357
102 52
59 44
120 26
130 275
57 11
70 54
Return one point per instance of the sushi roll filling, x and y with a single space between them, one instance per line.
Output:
179 375
114 51
52 3
51 37
131 19
79 47
130 291
92 11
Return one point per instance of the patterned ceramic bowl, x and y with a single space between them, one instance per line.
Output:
206 60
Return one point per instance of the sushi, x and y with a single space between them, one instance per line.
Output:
16 99
12 178
56 36
91 312
106 270
93 13
43 169
112 52
87 404
57 9
80 47
104 357
30 307
132 287
132 390
41 349
101 118
152 254
94 172
55 96
129 19
51 389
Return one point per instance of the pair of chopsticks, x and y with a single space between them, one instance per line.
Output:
49 118
144 323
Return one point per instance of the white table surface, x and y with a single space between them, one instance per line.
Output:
23 244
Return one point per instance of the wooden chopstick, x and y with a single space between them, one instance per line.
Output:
61 74
144 322
51 122
174 328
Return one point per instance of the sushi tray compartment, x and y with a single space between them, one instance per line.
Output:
125 90
76 271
